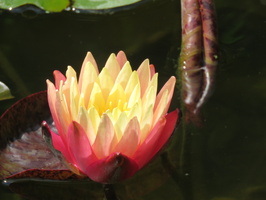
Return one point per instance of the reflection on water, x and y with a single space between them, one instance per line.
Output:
225 159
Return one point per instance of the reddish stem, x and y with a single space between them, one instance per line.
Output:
198 57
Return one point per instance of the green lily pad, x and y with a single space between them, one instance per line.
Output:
49 5
4 92
60 5
101 4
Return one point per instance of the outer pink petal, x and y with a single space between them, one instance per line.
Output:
156 139
58 143
80 147
115 167
121 58
58 76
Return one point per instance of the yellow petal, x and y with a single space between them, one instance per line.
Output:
132 82
97 99
116 113
87 80
135 111
169 86
120 125
146 122
65 87
94 118
124 75
144 75
85 120
51 92
105 82
134 96
113 66
116 98
62 99
130 140
154 82
74 99
105 139
161 108
150 95
63 114
89 58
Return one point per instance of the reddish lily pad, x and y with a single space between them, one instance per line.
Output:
23 150
47 189
47 174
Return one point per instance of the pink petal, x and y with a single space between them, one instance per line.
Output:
58 76
156 139
112 168
152 69
58 143
79 146
121 58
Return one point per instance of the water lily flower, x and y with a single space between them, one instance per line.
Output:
110 124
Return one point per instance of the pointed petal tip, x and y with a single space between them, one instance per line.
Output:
121 58
121 53
174 115
152 69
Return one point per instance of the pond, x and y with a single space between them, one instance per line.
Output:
225 159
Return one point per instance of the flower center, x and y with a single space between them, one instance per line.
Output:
120 104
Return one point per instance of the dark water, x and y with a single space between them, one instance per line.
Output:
224 160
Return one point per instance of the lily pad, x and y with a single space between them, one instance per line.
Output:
101 4
4 92
23 150
49 5
46 189
60 5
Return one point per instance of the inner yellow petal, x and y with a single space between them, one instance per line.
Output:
134 96
135 111
113 66
120 125
86 83
74 98
97 99
105 82
94 117
105 139
146 123
131 84
144 75
116 98
87 121
124 75
161 108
